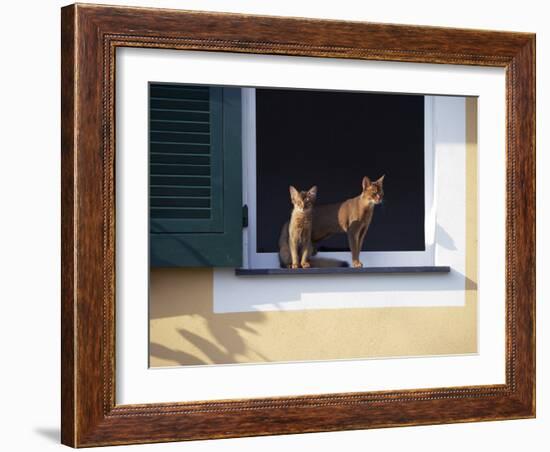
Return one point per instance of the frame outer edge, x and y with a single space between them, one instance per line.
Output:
534 226
87 420
68 242
525 62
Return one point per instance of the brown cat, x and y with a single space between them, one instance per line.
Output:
352 216
295 239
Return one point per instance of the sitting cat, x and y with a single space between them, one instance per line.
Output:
352 216
295 239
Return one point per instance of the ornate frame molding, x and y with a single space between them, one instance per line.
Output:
90 36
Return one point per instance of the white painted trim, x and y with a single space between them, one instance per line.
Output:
248 96
430 180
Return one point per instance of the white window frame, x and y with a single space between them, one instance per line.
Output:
253 259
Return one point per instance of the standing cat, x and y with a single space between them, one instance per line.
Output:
352 216
295 239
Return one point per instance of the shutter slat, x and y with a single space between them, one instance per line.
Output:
180 148
179 197
180 126
183 138
185 159
183 98
182 208
178 190
175 201
178 86
193 181
179 115
179 104
180 132
173 212
174 91
179 121
175 169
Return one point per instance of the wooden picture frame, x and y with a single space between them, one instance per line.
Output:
90 36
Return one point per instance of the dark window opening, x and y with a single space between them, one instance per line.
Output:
333 139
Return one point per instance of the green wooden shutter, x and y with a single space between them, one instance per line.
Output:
195 195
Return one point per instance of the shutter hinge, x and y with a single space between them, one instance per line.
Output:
245 216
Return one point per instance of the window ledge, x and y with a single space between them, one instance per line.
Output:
339 270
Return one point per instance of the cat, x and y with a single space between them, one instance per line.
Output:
352 216
295 240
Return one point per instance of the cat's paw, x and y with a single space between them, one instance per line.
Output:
306 265
294 266
357 264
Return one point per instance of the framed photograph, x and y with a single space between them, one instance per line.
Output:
282 225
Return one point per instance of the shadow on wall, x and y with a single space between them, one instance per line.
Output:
181 313
443 238
177 356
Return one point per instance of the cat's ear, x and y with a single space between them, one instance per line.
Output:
366 183
380 180
312 193
294 195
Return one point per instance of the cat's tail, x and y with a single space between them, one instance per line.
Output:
324 262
